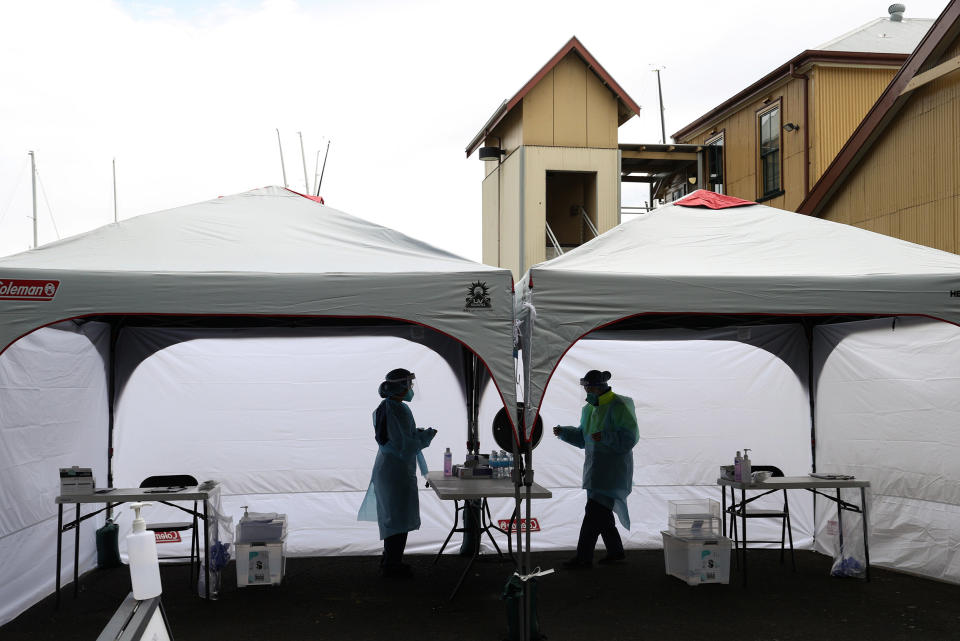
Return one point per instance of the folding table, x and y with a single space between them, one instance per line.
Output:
117 496
809 483
451 488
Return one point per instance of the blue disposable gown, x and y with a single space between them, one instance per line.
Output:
608 465
392 498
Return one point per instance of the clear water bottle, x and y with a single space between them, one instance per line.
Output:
504 465
495 464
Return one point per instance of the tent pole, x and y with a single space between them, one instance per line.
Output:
303 157
111 398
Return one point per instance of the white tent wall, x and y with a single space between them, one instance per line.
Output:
284 423
53 414
888 409
700 396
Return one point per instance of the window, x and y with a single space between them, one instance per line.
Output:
769 135
715 162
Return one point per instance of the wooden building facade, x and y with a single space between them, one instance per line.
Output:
899 174
551 161
781 133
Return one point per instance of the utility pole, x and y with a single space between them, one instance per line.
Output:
303 157
33 178
282 166
663 127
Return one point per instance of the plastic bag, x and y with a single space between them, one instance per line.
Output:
849 555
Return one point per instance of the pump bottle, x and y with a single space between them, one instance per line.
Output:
142 553
745 471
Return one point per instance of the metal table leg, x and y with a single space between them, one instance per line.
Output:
59 546
76 556
743 520
206 548
866 541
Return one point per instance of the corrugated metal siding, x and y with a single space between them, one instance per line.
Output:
842 98
510 215
490 226
908 185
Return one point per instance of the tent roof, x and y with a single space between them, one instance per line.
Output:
751 240
268 230
751 260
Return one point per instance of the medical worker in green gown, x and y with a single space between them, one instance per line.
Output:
607 431
392 499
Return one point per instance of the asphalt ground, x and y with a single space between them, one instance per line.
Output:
345 598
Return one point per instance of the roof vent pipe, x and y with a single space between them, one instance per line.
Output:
896 12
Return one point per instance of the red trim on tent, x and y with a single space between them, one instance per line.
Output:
316 199
712 200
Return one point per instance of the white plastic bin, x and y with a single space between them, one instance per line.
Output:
697 560
260 563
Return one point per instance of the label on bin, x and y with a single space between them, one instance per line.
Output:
166 537
534 525
259 569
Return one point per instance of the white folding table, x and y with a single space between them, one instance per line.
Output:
116 496
809 483
451 488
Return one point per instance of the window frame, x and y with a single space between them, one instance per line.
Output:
711 141
767 108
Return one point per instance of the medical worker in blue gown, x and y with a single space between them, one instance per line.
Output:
607 431
392 499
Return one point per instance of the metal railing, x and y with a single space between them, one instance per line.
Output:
553 241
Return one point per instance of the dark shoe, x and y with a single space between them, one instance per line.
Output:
576 563
611 559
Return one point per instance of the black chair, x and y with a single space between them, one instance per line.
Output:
743 509
178 480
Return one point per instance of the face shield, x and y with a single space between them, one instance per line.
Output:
401 378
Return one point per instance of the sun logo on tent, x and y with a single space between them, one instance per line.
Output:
478 296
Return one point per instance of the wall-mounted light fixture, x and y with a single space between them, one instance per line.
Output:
491 153
790 126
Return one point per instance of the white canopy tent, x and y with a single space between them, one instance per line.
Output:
268 266
740 266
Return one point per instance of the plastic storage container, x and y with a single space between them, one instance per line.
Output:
697 561
699 518
260 563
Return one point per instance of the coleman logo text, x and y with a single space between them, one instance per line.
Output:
28 289
167 537
534 525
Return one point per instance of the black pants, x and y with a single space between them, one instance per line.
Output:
598 521
393 549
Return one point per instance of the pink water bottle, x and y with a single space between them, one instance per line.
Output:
447 463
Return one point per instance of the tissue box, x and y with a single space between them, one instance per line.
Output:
76 480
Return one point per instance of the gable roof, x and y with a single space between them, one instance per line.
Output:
879 42
628 108
882 35
945 30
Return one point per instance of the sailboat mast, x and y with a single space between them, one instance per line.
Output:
33 178
303 157
282 166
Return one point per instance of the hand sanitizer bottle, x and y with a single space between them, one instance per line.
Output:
737 467
142 552
745 471
447 463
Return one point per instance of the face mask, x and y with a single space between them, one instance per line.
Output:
593 399
408 396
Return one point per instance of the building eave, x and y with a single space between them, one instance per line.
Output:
806 58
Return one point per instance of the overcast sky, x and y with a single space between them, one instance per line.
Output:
187 95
